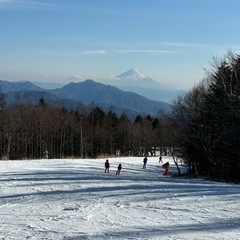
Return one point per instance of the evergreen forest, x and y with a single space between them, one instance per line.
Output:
208 118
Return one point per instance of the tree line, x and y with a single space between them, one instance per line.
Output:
86 132
209 122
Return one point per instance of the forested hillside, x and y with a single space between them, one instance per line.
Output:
27 130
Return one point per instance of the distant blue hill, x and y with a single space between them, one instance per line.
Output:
7 86
91 91
86 92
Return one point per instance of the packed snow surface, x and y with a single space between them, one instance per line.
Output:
75 199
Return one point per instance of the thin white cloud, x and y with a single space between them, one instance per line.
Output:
104 52
94 52
182 44
126 51
25 3
144 51
6 2
57 54
195 45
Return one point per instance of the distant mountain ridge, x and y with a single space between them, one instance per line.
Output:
132 80
92 91
86 92
33 97
7 86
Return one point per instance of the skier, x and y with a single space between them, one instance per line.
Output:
45 154
145 162
166 167
119 168
107 166
160 159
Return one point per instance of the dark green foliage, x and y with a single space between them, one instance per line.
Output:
210 119
27 130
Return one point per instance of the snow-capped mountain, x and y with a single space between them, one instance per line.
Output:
134 77
134 80
133 74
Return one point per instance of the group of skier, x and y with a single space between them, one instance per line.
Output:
107 166
165 166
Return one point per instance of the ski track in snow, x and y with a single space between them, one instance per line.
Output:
75 199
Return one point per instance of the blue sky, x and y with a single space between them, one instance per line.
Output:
171 41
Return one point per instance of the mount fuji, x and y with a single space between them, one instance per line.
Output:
133 74
133 77
135 81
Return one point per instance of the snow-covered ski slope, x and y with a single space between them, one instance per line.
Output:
74 199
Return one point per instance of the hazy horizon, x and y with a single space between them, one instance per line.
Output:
170 41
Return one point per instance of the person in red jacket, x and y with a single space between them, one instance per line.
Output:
166 167
107 166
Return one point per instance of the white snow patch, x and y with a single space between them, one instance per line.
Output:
132 74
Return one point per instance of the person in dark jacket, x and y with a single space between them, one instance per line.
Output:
145 162
107 166
119 168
